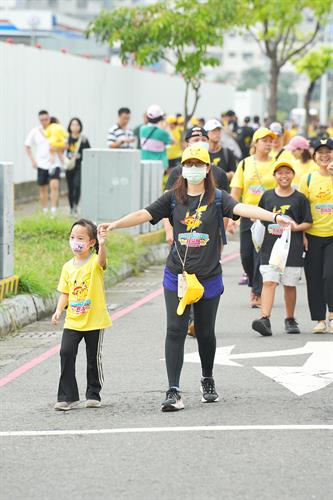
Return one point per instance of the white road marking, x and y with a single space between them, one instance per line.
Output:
315 374
143 430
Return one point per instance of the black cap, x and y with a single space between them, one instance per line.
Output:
319 143
195 132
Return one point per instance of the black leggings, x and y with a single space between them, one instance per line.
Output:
74 186
68 389
319 275
204 320
250 258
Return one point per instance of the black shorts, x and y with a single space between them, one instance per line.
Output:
45 176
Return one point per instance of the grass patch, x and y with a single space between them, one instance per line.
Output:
42 247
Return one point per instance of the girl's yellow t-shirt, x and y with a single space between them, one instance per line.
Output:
253 177
302 169
86 295
319 191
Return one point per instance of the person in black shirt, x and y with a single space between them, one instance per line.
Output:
191 206
220 156
288 202
75 146
244 137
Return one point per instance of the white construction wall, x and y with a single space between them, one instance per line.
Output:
34 79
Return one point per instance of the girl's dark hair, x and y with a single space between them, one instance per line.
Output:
53 119
91 228
70 123
180 188
305 156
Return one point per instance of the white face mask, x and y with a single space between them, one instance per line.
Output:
201 144
194 175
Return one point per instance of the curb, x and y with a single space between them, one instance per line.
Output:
24 309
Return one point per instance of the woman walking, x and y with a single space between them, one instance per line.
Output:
195 209
77 142
302 160
318 188
254 176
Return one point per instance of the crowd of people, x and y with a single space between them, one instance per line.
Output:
217 173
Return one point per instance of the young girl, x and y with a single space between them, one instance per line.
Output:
81 288
57 137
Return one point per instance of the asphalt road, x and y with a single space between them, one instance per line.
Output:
253 444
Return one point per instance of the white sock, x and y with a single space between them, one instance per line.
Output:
45 210
53 210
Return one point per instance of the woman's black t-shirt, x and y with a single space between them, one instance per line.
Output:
295 206
71 148
204 242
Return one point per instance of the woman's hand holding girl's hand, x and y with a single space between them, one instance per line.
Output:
56 318
101 235
107 226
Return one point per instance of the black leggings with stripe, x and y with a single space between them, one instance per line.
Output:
68 390
204 321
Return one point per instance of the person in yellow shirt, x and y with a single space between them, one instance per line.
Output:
318 188
278 151
57 137
254 175
302 160
81 288
175 150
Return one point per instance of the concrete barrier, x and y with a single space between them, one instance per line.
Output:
116 182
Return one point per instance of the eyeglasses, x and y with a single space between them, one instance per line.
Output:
199 165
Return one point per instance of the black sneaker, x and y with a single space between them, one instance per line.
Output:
209 394
173 401
262 326
291 326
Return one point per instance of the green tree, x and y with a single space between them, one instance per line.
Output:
314 65
179 32
279 26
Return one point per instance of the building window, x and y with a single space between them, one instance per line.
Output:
232 54
248 56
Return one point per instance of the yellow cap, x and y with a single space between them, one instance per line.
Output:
180 120
283 164
194 292
194 121
196 153
171 119
262 132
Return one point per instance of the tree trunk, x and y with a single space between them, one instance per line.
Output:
307 100
273 89
189 114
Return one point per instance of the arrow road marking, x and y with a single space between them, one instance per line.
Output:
315 374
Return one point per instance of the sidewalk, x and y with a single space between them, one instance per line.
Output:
33 207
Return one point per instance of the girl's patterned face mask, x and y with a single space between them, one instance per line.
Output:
78 246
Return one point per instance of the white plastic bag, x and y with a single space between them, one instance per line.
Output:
280 251
258 233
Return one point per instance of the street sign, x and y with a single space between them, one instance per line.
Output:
316 373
